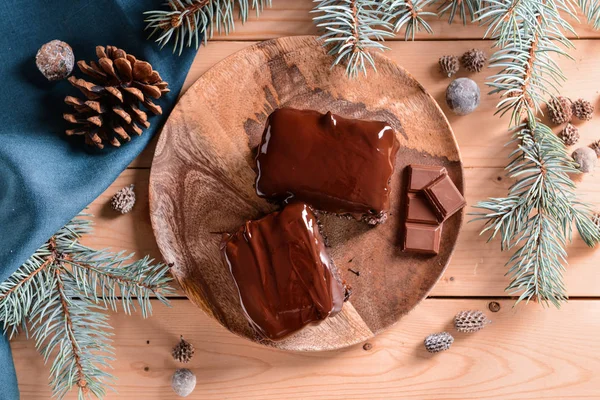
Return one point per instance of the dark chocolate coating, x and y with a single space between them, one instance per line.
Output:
444 197
283 274
332 163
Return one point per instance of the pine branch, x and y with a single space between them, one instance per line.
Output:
62 293
537 216
352 29
466 10
409 14
591 10
187 20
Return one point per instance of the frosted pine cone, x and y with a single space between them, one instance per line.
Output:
437 342
184 351
470 321
473 60
583 109
449 65
560 110
123 200
569 135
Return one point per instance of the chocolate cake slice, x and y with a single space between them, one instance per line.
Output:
333 163
284 276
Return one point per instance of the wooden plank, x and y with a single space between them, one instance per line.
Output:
293 17
481 135
527 353
476 268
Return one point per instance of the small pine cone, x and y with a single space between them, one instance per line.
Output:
596 147
123 200
569 135
596 220
449 65
437 342
560 110
119 87
583 109
470 321
473 60
184 351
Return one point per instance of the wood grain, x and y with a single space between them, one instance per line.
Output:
202 183
527 353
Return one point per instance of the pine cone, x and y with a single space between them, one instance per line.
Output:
559 110
473 60
437 342
448 65
470 321
596 220
583 109
123 200
596 147
111 111
569 135
184 351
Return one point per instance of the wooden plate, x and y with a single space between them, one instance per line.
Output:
202 178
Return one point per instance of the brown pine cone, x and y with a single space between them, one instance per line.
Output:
470 321
473 60
596 147
111 113
449 65
124 200
559 110
596 220
184 351
437 342
583 109
569 135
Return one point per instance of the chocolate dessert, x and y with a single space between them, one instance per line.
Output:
334 164
284 276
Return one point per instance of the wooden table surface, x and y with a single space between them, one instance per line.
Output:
527 353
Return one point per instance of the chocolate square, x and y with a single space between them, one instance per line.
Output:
419 176
418 209
422 238
445 197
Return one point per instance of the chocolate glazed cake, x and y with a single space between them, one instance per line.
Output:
334 164
285 278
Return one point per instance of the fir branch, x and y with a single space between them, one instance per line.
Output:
537 216
591 10
187 20
409 14
62 294
466 9
352 29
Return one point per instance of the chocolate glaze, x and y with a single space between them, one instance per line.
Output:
284 276
333 163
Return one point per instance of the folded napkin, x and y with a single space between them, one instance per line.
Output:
45 177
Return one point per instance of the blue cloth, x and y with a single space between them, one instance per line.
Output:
46 177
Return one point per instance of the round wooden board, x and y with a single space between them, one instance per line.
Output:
202 180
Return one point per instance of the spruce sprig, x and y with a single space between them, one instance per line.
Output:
536 218
466 10
60 296
186 22
352 28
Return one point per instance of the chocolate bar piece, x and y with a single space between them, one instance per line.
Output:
418 209
444 197
332 163
419 176
422 238
284 276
